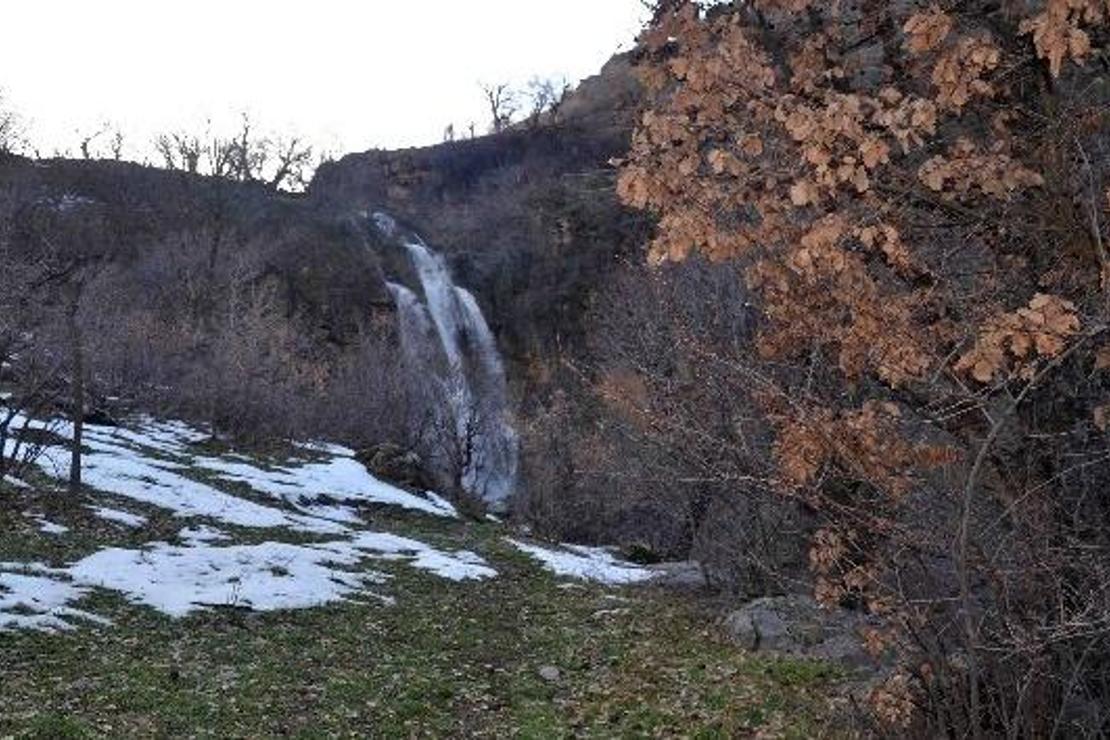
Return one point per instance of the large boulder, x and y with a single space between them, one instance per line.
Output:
797 625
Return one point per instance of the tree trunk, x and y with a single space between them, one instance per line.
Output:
77 409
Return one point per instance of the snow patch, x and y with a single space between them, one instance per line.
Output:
146 464
179 580
461 565
586 563
48 527
116 469
37 602
14 482
151 464
201 535
342 478
126 518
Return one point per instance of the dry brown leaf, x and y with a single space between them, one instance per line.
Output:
1102 417
1102 358
926 31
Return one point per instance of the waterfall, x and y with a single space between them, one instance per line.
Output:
447 340
415 325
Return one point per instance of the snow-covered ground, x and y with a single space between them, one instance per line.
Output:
149 464
29 601
341 477
586 563
317 500
155 464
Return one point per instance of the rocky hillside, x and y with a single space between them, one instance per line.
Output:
528 216
269 315
318 261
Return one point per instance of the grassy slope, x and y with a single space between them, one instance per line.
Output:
447 660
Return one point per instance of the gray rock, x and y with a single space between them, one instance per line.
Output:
550 673
776 623
685 574
796 624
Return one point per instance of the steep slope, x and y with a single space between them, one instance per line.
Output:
270 316
319 261
528 217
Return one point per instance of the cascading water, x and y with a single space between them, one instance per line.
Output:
447 339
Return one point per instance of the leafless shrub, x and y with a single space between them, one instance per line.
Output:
545 98
30 374
501 100
11 128
277 161
655 439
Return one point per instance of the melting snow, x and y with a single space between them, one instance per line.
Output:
126 518
117 469
48 527
146 465
180 580
341 478
462 565
149 463
586 563
14 482
39 603
201 535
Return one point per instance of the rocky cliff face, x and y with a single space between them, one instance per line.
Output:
436 186
527 217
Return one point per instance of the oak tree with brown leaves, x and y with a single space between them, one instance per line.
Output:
916 194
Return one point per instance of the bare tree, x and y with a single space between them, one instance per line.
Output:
85 142
74 290
115 144
180 151
219 154
502 103
70 243
545 96
30 375
11 128
292 163
248 152
278 162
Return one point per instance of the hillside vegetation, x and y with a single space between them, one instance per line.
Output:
135 622
810 298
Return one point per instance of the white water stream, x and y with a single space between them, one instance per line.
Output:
447 338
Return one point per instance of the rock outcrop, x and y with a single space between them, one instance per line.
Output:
797 625
528 218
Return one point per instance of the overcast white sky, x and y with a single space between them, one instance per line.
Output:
348 74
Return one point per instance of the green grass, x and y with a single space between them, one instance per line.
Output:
447 660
